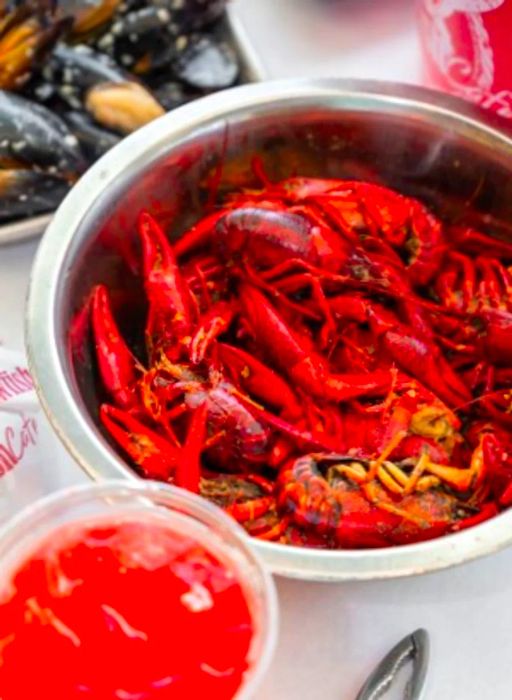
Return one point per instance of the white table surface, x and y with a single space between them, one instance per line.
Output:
331 634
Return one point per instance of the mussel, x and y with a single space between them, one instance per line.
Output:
31 135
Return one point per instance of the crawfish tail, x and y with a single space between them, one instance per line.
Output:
281 343
424 361
188 468
154 456
344 387
170 300
117 365
261 381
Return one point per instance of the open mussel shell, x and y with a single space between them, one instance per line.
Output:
26 38
73 78
90 15
123 107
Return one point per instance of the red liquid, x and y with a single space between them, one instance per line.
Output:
130 611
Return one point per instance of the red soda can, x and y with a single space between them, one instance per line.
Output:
466 49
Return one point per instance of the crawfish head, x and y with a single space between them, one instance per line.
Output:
358 505
423 360
496 338
234 434
315 495
414 427
407 225
268 235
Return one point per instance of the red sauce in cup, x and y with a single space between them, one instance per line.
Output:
123 610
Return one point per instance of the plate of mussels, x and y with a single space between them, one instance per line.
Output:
76 76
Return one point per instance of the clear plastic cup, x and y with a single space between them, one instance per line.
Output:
184 513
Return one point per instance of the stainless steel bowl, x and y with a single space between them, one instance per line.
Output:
453 156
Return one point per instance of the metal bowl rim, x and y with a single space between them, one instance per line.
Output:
76 429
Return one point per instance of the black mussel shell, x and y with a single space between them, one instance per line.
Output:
94 140
32 134
173 94
207 64
27 193
190 15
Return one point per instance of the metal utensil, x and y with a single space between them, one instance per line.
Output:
414 649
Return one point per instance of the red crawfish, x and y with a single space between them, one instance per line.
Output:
290 354
281 239
237 433
407 424
306 370
475 296
238 430
415 354
366 211
249 499
330 494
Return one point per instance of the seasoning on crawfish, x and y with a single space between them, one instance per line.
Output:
326 360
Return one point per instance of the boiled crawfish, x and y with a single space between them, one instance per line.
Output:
325 359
